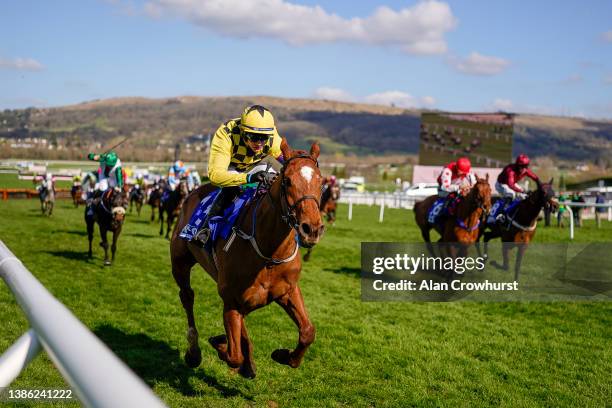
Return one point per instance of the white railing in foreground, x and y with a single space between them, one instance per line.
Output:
96 375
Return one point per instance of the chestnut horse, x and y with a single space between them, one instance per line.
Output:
136 196
109 213
258 264
172 206
154 199
522 226
329 201
75 193
463 228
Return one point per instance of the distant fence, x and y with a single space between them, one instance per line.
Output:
96 375
6 193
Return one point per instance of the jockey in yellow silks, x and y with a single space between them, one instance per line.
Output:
237 147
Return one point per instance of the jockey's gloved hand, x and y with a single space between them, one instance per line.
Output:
522 196
261 177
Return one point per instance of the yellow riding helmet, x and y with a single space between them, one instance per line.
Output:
257 119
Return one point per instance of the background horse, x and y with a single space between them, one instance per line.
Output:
47 200
75 193
172 206
469 215
109 213
154 199
521 227
136 196
329 203
259 266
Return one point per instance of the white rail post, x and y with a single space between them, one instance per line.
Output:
571 217
350 210
382 210
17 357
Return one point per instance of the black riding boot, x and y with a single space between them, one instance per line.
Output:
223 198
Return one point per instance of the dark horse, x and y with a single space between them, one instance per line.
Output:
75 193
258 264
154 200
463 228
521 228
109 213
136 196
172 206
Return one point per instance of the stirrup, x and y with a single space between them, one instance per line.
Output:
202 236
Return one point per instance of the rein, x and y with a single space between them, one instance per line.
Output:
287 215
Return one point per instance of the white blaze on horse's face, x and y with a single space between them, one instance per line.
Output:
307 172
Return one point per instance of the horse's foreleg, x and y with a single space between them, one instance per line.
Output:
90 234
114 244
229 347
181 271
293 304
247 369
104 244
161 221
169 224
307 255
519 258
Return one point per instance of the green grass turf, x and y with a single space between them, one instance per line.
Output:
365 354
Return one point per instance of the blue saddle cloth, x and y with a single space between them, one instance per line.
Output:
498 208
437 211
220 226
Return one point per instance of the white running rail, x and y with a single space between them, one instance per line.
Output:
96 375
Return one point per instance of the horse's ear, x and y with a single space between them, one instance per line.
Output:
487 178
285 149
551 180
315 150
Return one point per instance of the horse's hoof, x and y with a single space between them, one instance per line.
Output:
498 266
107 263
218 341
193 359
246 371
282 356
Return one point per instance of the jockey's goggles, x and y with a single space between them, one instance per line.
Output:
256 137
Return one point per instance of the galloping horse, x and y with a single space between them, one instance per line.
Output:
109 213
521 227
154 200
259 266
136 196
463 228
172 206
328 206
75 193
47 200
329 201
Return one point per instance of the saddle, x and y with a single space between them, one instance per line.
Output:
220 226
503 210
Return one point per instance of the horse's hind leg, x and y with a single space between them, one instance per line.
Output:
114 244
294 306
307 255
161 221
181 271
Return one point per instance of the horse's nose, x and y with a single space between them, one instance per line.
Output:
311 231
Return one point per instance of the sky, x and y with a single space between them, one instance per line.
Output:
545 57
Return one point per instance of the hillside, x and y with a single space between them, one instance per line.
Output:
341 127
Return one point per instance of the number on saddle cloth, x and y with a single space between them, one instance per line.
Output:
220 226
436 210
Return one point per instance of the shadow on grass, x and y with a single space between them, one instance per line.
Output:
72 255
139 220
155 361
74 232
139 235
347 270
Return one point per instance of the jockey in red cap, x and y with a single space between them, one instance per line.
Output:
455 180
513 173
455 177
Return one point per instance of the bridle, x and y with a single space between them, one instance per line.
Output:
288 210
